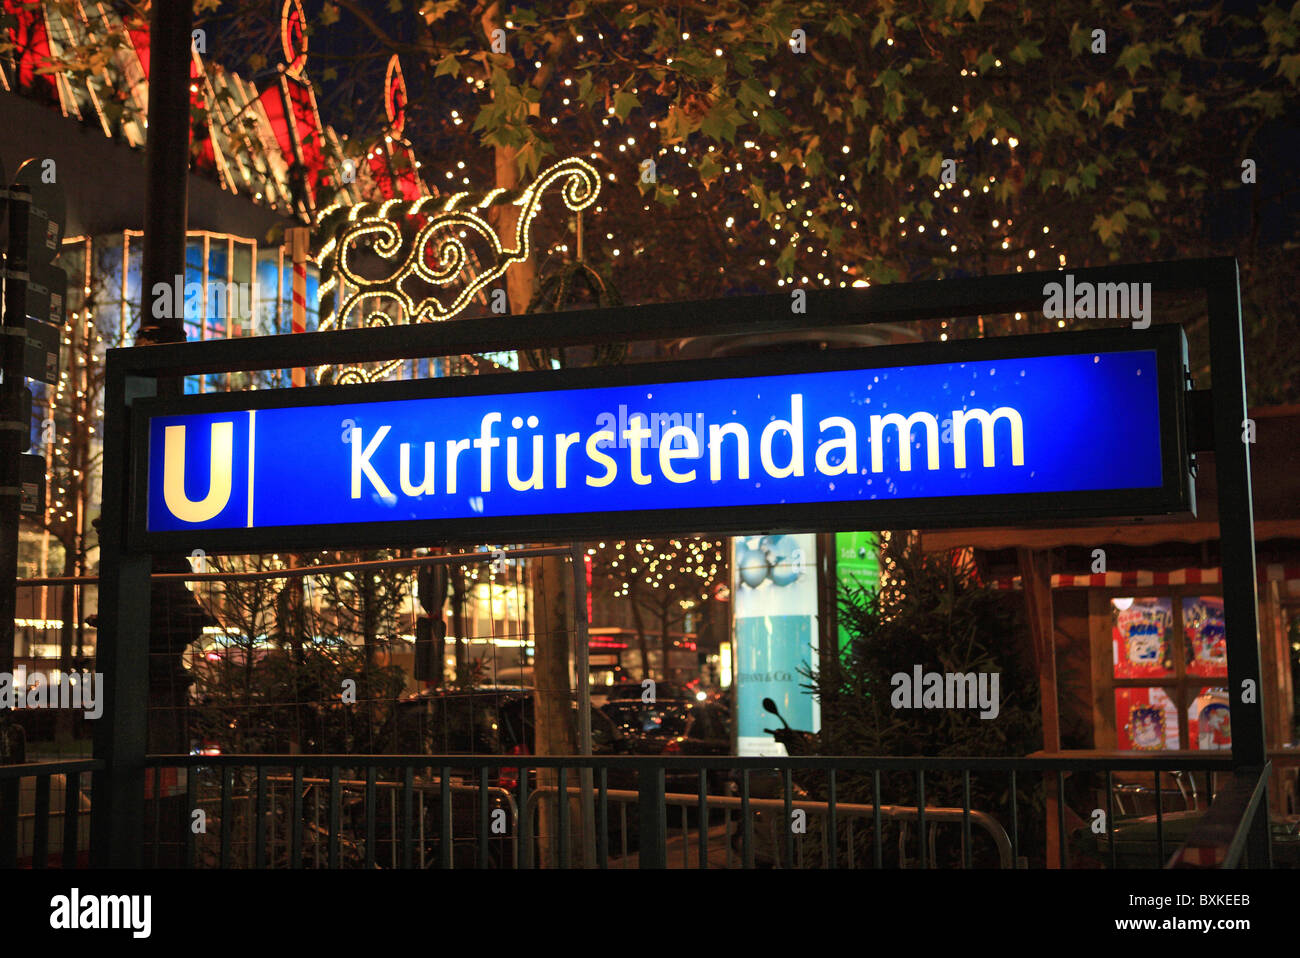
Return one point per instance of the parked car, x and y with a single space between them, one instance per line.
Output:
663 691
676 727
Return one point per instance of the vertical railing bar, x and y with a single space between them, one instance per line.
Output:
877 840
295 821
421 838
41 838
370 816
157 813
622 814
315 821
1015 823
562 815
273 834
71 817
728 834
334 812
703 812
686 841
849 829
833 827
747 835
446 840
1060 819
826 848
1160 823
187 817
602 836
787 783
966 855
408 812
1110 817
484 828
525 821
227 774
920 817
259 813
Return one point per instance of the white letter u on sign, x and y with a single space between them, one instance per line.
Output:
221 466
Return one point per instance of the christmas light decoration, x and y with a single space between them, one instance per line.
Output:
431 251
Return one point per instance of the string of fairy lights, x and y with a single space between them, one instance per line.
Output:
69 425
688 566
799 226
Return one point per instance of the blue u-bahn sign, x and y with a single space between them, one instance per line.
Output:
1070 424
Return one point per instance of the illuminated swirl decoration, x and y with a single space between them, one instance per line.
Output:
293 37
423 261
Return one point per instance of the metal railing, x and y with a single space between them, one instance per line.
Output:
454 811
1219 840
28 837
830 816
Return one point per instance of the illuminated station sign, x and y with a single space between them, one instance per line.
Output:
905 436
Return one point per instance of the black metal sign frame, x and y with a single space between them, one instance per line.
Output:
133 375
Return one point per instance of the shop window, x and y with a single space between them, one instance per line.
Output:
1153 694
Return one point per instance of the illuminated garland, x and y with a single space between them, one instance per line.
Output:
293 37
436 254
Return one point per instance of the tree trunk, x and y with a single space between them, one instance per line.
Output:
666 643
641 642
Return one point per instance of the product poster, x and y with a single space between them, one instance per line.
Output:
774 590
1146 720
1141 631
1207 650
1208 726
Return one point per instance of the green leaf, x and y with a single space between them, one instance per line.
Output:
1289 66
1026 50
1190 41
785 262
1138 210
908 140
752 94
718 123
1134 57
1122 110
586 90
625 103
448 65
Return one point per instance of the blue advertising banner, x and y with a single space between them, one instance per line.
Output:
1081 422
774 633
